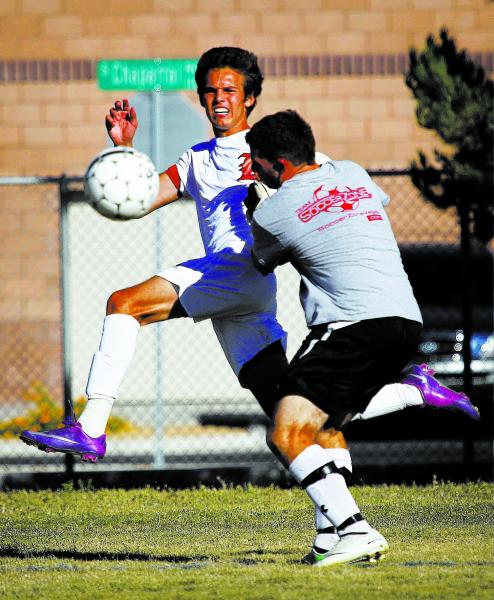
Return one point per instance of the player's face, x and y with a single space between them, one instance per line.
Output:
267 171
225 102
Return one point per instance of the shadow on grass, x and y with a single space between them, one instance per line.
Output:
446 563
249 562
114 556
257 556
262 552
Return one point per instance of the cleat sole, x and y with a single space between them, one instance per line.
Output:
89 458
84 457
370 558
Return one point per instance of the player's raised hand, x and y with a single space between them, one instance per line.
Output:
121 123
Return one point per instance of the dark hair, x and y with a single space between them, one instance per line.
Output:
283 135
236 58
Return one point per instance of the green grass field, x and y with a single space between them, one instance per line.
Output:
240 543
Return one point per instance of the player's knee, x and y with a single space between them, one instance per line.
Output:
291 439
331 438
119 302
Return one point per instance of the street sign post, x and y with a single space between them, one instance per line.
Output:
154 76
158 75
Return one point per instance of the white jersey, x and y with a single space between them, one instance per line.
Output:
224 285
216 174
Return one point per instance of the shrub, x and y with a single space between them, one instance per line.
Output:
46 413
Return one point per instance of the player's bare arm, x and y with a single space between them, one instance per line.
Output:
167 193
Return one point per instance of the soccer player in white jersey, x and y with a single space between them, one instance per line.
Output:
329 222
223 286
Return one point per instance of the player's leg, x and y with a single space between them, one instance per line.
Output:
153 300
127 310
417 388
293 438
262 375
334 444
390 398
340 371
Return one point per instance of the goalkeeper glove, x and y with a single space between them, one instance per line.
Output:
257 193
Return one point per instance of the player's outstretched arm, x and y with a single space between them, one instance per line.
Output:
121 123
166 194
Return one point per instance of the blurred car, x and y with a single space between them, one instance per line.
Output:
442 350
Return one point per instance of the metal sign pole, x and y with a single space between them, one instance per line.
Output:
159 402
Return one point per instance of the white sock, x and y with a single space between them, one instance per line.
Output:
330 493
95 415
117 346
325 541
391 398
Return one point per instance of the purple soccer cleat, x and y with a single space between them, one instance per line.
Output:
69 439
437 395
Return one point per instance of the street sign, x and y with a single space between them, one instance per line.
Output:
156 74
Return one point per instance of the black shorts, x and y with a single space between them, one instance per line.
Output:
342 371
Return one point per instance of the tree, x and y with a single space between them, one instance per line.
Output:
455 98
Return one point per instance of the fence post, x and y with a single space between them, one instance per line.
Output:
466 309
65 304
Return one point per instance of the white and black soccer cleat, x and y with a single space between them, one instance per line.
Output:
355 547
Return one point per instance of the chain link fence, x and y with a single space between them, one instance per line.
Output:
31 366
180 403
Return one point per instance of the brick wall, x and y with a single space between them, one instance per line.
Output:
70 28
53 126
51 112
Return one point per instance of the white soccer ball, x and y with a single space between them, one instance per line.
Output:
121 183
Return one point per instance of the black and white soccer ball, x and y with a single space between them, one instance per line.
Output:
121 183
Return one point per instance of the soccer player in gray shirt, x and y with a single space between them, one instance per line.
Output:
364 321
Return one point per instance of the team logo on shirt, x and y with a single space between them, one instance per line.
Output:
332 201
246 172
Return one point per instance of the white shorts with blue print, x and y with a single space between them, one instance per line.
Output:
241 303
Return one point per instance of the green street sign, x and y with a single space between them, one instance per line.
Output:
156 74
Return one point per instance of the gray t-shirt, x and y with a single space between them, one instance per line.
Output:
331 225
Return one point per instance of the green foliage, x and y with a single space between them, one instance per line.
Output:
45 413
455 98
243 543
